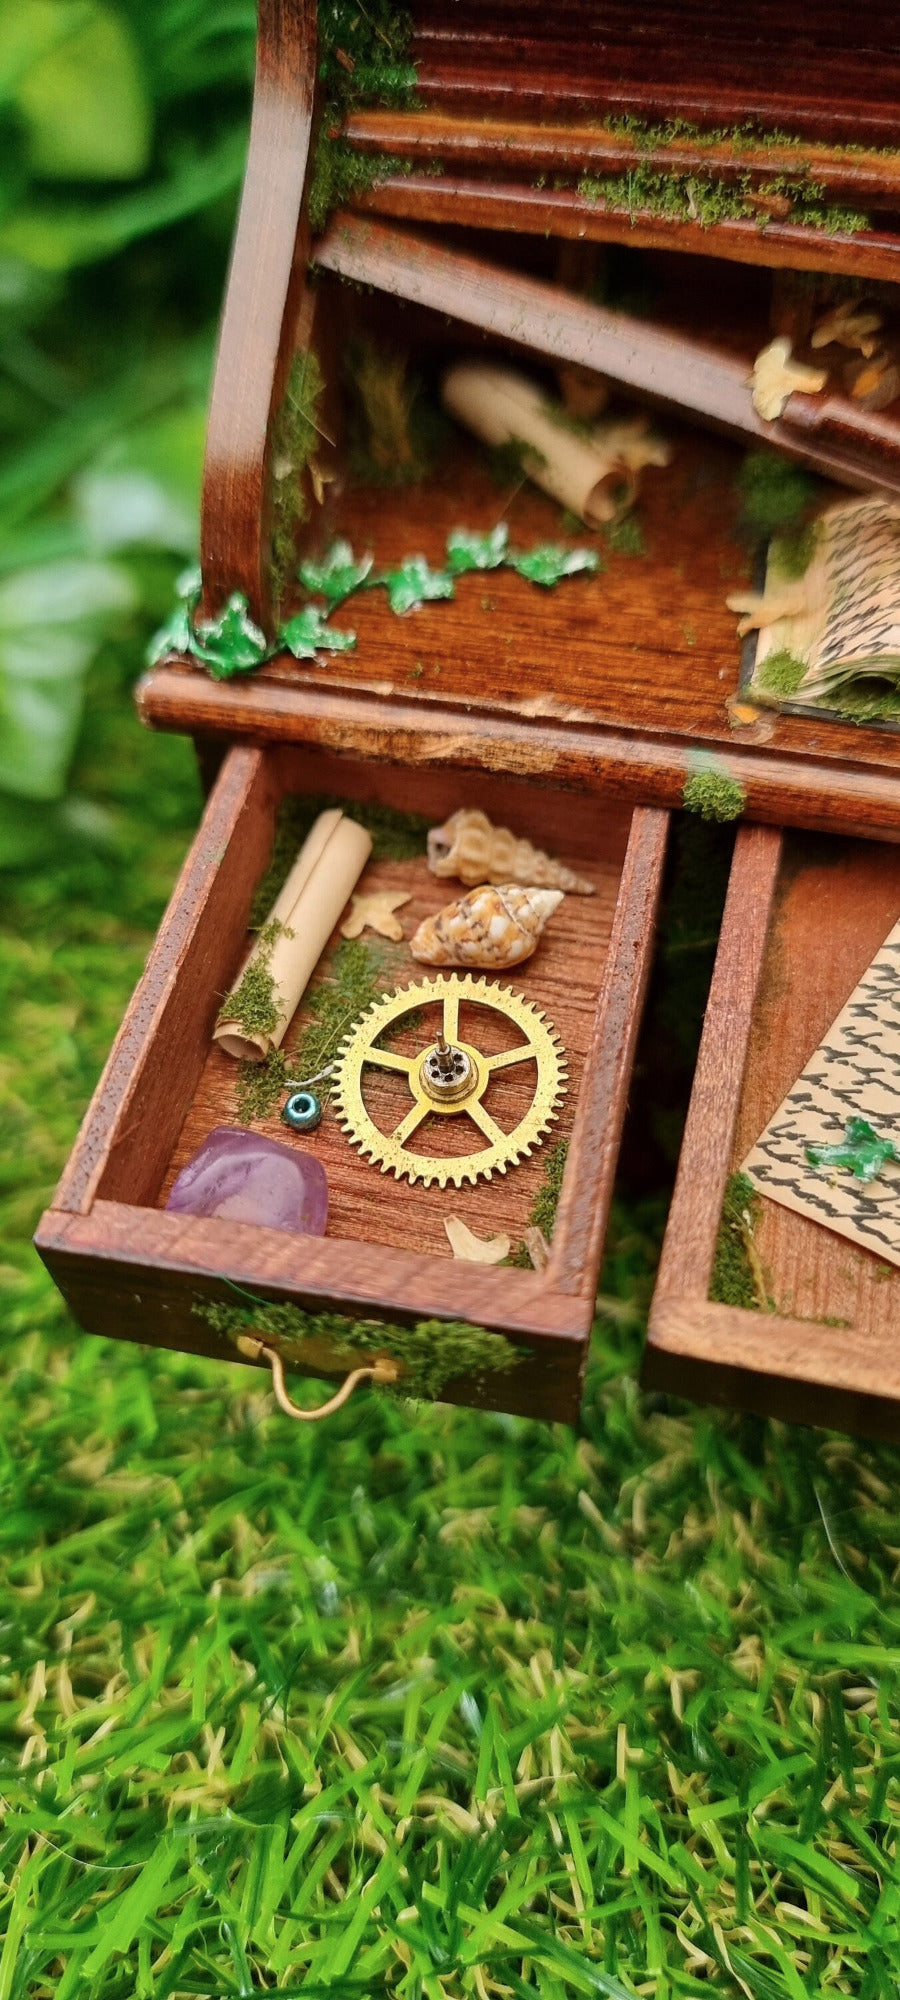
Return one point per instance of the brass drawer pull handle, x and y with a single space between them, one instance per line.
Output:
382 1370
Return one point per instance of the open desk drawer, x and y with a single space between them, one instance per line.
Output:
128 1268
805 916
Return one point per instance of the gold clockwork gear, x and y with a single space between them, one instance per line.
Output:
448 1078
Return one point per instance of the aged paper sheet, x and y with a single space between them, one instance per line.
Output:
855 1073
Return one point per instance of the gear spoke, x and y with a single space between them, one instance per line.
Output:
526 1052
409 1124
495 1149
451 1014
390 1059
493 1132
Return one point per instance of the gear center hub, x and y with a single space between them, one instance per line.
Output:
447 1073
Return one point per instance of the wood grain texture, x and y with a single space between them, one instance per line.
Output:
134 1274
153 1066
671 370
127 1266
459 199
827 1354
262 302
594 1150
838 80
615 684
686 1262
505 145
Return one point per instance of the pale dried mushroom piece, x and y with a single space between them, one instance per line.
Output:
494 926
472 1249
777 376
848 325
470 849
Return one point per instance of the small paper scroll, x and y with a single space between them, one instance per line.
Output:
592 471
854 1074
325 872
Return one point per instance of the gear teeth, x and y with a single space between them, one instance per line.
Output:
375 1146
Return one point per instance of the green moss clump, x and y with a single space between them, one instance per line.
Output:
867 702
779 673
364 53
355 978
397 431
737 1276
296 430
792 554
707 199
254 1005
714 796
775 496
514 461
546 1201
431 1353
625 537
259 1086
340 174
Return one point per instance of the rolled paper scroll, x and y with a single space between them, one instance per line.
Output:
326 871
593 473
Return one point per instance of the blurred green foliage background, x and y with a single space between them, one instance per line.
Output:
123 132
426 1702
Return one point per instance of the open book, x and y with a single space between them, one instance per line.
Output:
831 638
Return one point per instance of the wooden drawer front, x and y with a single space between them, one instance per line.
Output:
130 1268
804 918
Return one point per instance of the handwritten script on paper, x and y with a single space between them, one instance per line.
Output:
842 618
855 1073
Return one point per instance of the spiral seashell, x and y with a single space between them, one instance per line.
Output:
496 925
470 849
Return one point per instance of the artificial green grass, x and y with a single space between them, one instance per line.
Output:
418 1704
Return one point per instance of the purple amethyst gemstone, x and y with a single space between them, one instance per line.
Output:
244 1177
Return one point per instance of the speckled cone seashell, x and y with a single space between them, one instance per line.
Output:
497 925
468 848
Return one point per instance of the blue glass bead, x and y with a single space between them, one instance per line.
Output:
302 1112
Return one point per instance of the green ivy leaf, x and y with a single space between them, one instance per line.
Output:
338 575
861 1152
414 584
307 634
175 636
547 564
467 550
230 644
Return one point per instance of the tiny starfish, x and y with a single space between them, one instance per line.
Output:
861 1152
375 913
